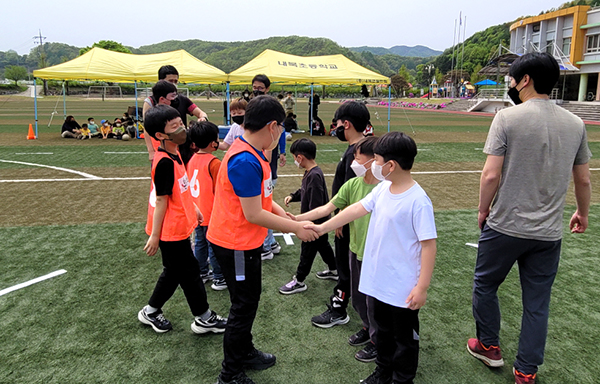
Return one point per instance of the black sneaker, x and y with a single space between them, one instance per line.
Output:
214 324
293 286
275 248
330 317
156 320
240 378
367 354
359 338
327 275
266 254
258 360
219 285
379 376
206 276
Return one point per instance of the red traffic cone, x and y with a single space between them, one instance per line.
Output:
31 135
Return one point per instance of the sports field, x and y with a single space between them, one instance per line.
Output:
81 206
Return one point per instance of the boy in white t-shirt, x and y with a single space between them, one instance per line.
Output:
399 256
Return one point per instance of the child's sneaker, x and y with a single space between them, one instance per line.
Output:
275 248
367 354
266 254
359 338
240 378
379 376
206 276
327 275
258 360
214 324
491 356
219 284
156 320
521 378
293 286
330 317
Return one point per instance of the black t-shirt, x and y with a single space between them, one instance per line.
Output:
182 104
70 126
164 174
313 192
343 172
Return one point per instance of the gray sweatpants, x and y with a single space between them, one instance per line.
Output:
362 303
538 264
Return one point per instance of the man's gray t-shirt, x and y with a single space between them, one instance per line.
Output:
540 142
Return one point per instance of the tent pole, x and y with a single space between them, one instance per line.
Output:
35 107
389 105
228 96
64 101
137 116
296 96
311 102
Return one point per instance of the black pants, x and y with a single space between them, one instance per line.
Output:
397 341
180 268
308 252
341 292
243 273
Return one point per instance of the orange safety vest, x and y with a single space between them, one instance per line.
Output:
180 218
228 226
201 184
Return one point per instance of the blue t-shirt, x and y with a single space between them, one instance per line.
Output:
245 173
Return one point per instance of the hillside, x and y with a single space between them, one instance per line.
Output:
400 50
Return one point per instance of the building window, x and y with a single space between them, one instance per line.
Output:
566 46
550 47
536 27
593 44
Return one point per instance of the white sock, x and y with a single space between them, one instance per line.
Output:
148 309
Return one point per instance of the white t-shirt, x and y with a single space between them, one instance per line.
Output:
235 131
392 259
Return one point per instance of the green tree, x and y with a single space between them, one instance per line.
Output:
15 72
106 44
399 84
403 71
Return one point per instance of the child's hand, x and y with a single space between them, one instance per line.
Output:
417 298
287 200
339 232
305 232
318 229
291 216
152 246
199 216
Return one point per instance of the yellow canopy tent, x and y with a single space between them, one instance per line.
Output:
283 68
104 65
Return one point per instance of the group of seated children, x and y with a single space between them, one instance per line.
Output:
121 129
229 204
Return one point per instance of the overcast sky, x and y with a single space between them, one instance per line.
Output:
350 23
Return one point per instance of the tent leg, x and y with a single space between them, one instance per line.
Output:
228 95
137 116
389 105
35 107
64 101
311 101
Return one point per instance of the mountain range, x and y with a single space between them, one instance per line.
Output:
400 50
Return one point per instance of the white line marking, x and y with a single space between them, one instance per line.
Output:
328 150
34 153
423 149
287 237
125 153
96 179
472 245
479 149
31 282
51 167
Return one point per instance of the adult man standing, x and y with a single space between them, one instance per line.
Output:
532 149
289 103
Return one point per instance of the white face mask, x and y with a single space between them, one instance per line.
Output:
377 172
297 163
359 169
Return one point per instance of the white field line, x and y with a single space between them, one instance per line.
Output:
287 237
472 245
87 175
125 153
328 150
31 282
95 179
34 153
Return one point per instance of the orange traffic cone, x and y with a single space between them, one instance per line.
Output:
31 135
141 135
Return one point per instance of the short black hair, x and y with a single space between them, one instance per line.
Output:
260 111
84 125
162 88
304 147
167 70
541 67
366 146
157 118
202 133
397 146
263 79
354 112
91 118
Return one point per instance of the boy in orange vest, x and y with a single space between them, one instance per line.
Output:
172 216
242 212
202 171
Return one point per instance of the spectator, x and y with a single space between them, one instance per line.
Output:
70 129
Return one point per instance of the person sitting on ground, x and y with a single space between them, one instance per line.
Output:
70 129
85 132
118 129
106 129
94 129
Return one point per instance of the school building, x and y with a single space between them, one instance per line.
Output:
572 36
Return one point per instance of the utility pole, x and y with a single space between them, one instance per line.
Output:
39 39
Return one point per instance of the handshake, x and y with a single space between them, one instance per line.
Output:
306 230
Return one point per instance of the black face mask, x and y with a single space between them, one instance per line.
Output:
175 103
513 93
340 133
238 119
257 92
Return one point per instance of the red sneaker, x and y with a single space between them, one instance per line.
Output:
490 356
521 378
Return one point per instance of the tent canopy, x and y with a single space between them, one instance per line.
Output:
104 65
282 68
487 82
